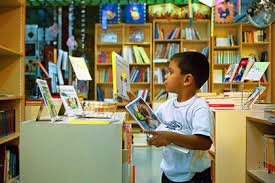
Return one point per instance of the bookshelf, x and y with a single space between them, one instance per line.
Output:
127 36
12 64
172 36
243 45
255 149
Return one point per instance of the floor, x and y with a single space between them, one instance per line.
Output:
147 164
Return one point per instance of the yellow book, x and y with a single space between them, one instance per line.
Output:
144 55
88 122
137 55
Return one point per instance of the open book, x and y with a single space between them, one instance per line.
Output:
73 107
147 120
121 78
47 98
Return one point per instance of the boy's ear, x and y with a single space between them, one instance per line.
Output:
188 79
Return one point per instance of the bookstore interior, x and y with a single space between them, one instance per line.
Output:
83 88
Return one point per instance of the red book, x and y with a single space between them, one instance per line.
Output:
140 75
99 58
221 105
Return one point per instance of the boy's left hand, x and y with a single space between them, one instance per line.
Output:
160 138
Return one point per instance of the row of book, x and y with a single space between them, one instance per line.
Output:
145 94
226 57
166 51
140 75
269 153
7 122
254 36
104 57
10 158
105 75
226 41
159 75
248 69
190 34
135 54
162 35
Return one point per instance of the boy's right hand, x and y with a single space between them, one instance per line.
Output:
131 96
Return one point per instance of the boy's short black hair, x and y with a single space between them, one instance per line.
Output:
193 63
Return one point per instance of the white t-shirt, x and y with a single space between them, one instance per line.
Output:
190 117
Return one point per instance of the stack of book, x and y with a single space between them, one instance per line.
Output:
258 110
269 113
139 139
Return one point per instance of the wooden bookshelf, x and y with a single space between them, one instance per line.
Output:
124 32
256 128
12 63
203 28
12 78
240 49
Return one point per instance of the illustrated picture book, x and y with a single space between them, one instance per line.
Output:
73 106
121 78
80 68
70 100
148 120
47 98
257 71
255 94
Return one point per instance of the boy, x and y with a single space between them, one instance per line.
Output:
189 114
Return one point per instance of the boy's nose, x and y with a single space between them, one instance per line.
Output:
166 76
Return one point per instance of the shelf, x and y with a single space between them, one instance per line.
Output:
262 121
108 64
223 64
131 122
123 104
9 138
139 64
140 83
137 43
7 51
109 44
246 83
104 83
255 43
167 40
261 175
11 98
226 47
195 41
10 3
159 84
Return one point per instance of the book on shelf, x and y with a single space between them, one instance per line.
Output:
7 125
162 35
225 41
121 76
165 51
161 95
218 75
137 55
269 153
254 95
11 164
257 71
190 34
254 36
148 120
230 73
139 74
226 56
105 75
250 63
240 70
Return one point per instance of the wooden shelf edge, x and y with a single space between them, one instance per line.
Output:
260 175
259 120
11 98
9 138
7 51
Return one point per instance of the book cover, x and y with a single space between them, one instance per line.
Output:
80 68
121 79
240 70
257 70
148 120
230 72
255 94
70 100
250 63
47 98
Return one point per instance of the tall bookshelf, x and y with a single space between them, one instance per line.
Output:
122 42
12 63
185 40
240 49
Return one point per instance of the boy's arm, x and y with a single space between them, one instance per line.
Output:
193 142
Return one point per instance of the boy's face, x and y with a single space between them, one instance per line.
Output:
174 80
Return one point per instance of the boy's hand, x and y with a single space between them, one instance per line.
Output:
160 138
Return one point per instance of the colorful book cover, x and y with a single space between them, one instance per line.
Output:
135 13
148 120
70 100
47 98
230 72
257 70
240 70
255 94
121 78
224 13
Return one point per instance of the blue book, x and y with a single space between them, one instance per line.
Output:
99 93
